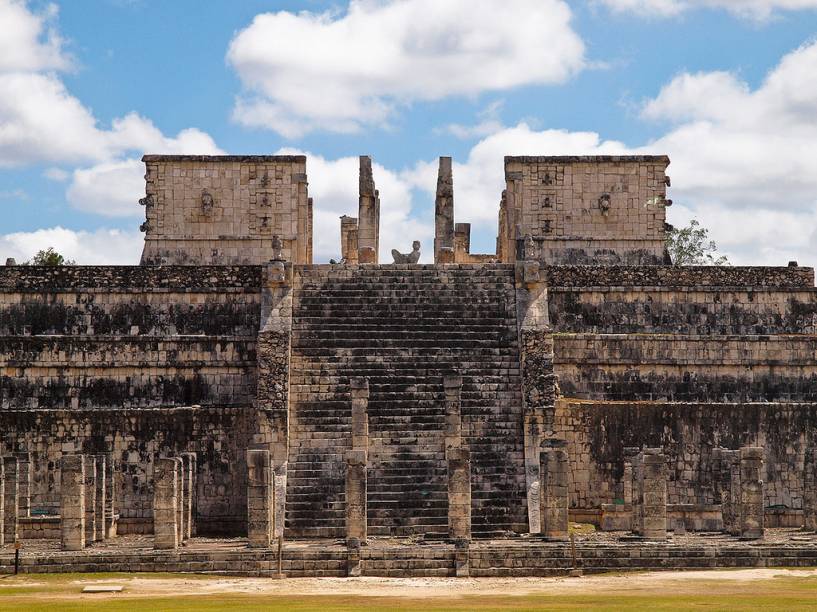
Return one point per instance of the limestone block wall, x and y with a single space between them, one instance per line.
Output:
119 337
687 368
597 434
594 209
225 209
218 436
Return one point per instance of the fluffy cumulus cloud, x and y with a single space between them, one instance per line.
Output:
42 122
743 160
104 246
338 72
752 9
333 184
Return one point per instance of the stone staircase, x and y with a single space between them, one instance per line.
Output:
404 327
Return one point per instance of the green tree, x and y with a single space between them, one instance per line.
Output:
691 246
49 257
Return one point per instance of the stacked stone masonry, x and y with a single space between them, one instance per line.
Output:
221 392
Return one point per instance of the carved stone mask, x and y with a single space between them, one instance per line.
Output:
206 202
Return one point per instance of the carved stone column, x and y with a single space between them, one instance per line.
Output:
259 499
24 476
273 344
810 490
637 517
2 503
538 380
553 490
368 233
348 239
179 498
356 466
730 490
459 493
72 502
110 497
165 504
90 499
751 493
189 491
654 494
11 495
101 502
444 213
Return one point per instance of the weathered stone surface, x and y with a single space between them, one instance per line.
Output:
165 504
259 499
72 502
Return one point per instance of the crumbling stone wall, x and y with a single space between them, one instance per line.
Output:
585 210
225 209
598 433
134 438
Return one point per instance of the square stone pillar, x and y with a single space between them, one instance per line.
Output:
732 458
356 524
459 493
24 476
11 495
179 498
110 496
452 386
637 516
90 499
101 505
165 504
654 494
554 490
188 490
279 498
810 490
462 563
444 213
751 493
368 224
259 498
627 478
348 239
72 502
359 390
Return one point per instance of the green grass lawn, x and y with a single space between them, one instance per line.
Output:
61 593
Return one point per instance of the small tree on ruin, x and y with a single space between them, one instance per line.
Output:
691 246
49 257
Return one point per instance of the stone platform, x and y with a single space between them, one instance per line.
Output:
596 552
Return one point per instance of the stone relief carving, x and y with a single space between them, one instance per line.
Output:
277 248
147 201
604 204
410 258
207 203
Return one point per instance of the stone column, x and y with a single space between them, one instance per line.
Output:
279 496
627 478
751 493
165 502
452 386
538 380
368 233
637 516
110 497
24 475
101 505
72 502
90 499
188 490
462 242
356 462
730 504
179 498
259 499
810 490
10 493
553 490
348 239
444 213
356 528
459 493
2 503
654 494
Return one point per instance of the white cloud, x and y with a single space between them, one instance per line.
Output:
41 121
103 246
752 9
743 160
333 185
28 41
339 72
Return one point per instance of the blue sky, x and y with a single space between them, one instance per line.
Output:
727 88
